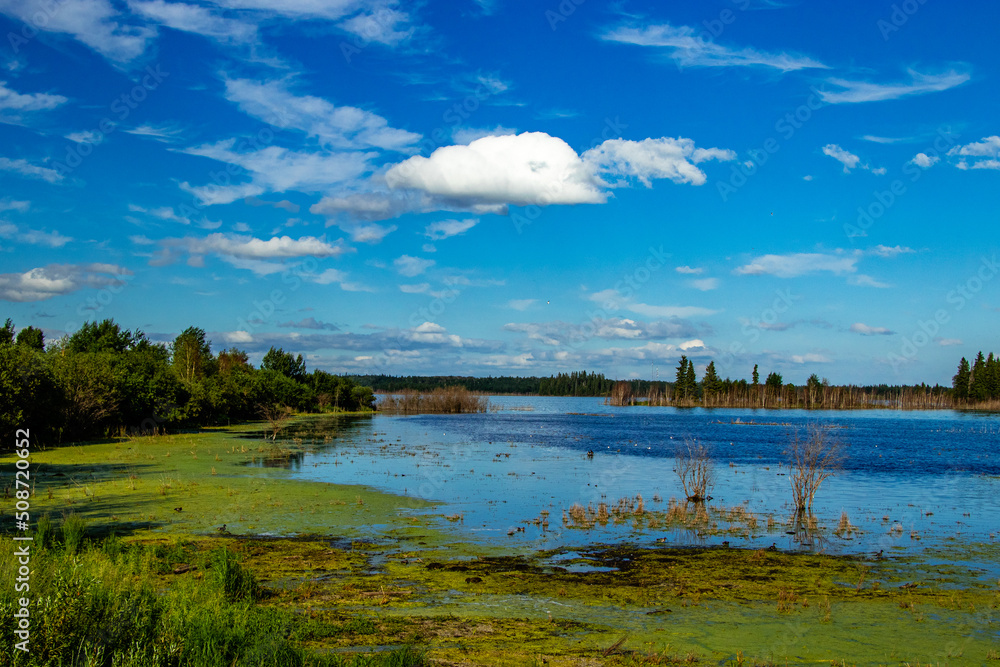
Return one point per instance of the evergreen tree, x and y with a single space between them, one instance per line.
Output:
691 382
773 380
960 382
680 381
978 389
756 376
710 383
992 376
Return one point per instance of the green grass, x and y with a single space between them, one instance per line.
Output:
103 604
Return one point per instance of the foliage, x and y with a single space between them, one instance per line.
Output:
104 605
103 380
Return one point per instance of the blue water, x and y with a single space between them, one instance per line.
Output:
909 479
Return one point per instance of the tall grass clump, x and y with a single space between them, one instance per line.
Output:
74 529
236 582
45 532
446 399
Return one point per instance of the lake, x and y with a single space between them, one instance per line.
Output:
910 480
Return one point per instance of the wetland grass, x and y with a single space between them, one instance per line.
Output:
443 400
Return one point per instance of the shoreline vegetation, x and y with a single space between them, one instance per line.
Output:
103 381
171 550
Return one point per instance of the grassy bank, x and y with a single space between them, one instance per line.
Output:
311 573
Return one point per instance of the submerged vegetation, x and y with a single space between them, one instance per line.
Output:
104 380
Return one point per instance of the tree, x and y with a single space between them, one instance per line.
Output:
694 468
192 355
773 380
978 382
31 337
680 382
105 336
691 382
710 383
960 382
232 360
7 333
756 376
284 363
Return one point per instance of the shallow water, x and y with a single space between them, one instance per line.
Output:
910 480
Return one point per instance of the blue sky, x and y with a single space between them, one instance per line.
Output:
484 187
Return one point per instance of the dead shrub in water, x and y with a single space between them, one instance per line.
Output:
811 460
694 468
447 399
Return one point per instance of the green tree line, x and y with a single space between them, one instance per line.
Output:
105 380
979 382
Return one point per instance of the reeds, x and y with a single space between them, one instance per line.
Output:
446 400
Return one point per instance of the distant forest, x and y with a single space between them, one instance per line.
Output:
103 380
975 386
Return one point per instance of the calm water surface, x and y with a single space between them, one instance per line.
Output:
909 480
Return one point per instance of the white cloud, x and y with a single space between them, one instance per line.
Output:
95 23
46 282
863 91
383 25
28 170
8 204
338 127
861 280
612 299
14 105
799 264
984 154
947 342
369 206
704 284
697 343
848 159
85 137
521 304
865 330
331 276
529 168
197 19
536 168
686 46
246 252
891 251
689 270
163 133
420 288
925 161
367 233
277 169
411 266
811 358
309 323
443 229
322 9
668 158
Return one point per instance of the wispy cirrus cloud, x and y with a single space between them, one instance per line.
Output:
29 170
687 47
865 330
799 264
855 92
850 160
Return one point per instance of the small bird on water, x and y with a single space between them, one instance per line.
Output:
178 509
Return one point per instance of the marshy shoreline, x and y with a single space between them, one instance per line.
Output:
352 574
